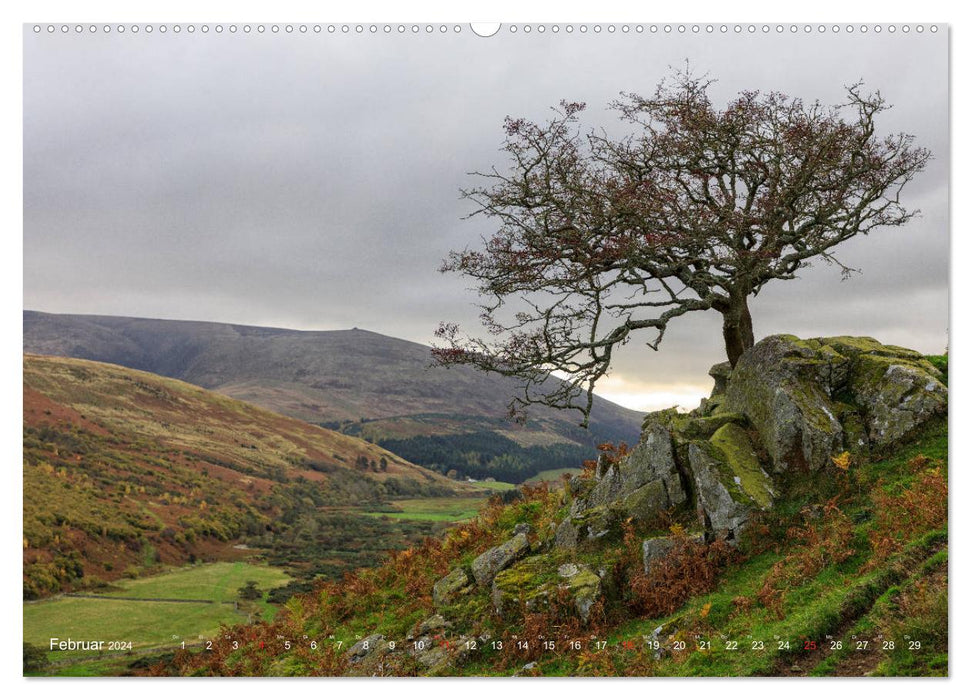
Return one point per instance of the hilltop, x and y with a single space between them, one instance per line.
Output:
125 470
362 383
793 524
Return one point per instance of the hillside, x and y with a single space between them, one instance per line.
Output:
362 383
806 535
124 470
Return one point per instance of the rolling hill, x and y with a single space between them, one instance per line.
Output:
125 470
362 383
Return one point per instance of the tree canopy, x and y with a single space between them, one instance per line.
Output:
601 238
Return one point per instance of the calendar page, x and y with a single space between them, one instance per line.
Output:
485 350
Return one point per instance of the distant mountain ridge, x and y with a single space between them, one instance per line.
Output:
382 388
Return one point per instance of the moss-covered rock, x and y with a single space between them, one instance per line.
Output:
431 625
657 549
852 346
725 506
895 389
491 562
784 385
740 458
639 487
703 427
456 583
537 582
786 408
583 586
651 460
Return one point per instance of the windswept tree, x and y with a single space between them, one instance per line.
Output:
696 208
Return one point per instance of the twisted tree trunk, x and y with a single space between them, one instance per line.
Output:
736 326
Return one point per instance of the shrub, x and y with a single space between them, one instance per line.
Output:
690 568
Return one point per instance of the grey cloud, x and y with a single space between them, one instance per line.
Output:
312 181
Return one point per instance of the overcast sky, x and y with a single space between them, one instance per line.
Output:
311 181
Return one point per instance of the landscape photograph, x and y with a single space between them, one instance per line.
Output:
450 350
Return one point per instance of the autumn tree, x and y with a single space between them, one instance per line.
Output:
696 208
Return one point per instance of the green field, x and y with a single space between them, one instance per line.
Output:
218 582
490 485
146 623
448 510
554 475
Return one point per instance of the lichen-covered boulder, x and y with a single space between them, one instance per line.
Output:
639 487
435 623
895 389
456 583
784 386
644 482
810 399
583 586
660 418
739 456
489 563
371 644
536 583
729 482
528 586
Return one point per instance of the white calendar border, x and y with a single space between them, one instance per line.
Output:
574 11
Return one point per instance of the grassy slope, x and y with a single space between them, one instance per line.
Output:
125 469
871 565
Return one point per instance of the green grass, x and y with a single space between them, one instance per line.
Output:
145 624
219 582
148 624
554 475
448 509
490 485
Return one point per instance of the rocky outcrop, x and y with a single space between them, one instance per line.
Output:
582 585
457 583
371 644
774 421
788 406
810 399
639 487
489 563
537 583
783 386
